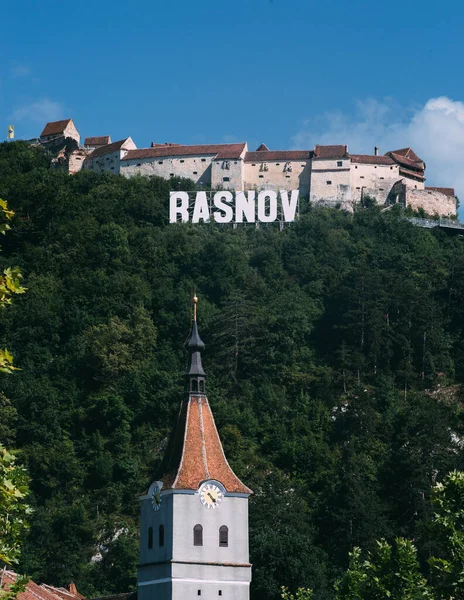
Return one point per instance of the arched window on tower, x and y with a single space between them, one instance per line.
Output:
150 538
194 385
198 535
202 386
161 535
223 536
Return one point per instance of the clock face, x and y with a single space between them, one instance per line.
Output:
156 497
211 495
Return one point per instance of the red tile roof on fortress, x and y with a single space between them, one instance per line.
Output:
97 141
55 127
369 159
39 592
408 153
446 191
408 158
277 155
337 151
107 149
217 150
406 161
414 174
197 453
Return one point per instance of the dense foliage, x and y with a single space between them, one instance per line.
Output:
335 354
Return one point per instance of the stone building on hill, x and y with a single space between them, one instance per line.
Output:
328 175
108 157
58 130
92 143
211 165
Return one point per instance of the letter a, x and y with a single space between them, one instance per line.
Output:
201 209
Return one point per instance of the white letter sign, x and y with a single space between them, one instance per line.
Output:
227 214
265 206
176 209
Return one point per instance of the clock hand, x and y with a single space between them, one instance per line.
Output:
213 499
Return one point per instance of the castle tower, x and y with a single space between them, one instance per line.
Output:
194 520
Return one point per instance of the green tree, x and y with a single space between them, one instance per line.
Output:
300 594
392 571
447 569
13 508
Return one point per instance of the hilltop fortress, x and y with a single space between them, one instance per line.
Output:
328 175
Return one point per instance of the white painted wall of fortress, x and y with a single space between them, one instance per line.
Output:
330 182
240 175
276 178
375 181
197 168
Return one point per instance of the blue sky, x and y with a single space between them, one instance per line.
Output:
291 73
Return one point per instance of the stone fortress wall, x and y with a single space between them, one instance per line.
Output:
328 175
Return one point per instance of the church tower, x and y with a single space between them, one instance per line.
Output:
194 520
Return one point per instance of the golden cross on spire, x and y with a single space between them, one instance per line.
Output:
194 302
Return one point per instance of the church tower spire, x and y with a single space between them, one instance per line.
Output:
194 519
196 377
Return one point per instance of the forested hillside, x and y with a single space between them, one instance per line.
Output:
334 355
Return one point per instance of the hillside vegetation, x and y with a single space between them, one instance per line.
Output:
334 355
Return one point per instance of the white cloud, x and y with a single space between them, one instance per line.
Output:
39 111
435 131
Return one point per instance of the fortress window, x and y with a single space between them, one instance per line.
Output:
223 536
198 538
160 162
139 164
161 536
202 386
150 538
199 593
220 593
181 160
361 177
203 160
226 179
235 162
253 164
261 176
171 174
382 178
329 183
391 168
277 164
287 176
358 188
380 189
339 163
194 385
195 172
356 167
